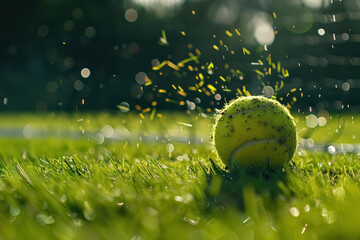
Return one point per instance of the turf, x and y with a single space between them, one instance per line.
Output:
78 188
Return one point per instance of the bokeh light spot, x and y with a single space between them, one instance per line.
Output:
140 78
99 138
322 121
309 143
77 13
131 15
78 85
85 72
69 25
28 131
155 62
264 34
321 32
190 105
314 3
134 48
90 32
345 36
161 8
311 121
107 131
43 30
346 86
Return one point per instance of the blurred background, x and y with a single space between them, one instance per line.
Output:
97 55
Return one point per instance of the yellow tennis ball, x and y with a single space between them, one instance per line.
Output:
255 132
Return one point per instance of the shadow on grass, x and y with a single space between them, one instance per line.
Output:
229 187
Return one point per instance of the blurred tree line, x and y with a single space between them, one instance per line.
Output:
85 55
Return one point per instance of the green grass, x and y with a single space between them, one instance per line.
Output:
64 188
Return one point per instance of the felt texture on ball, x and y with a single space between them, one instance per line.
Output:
255 132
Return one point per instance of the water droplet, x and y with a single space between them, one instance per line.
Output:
170 147
268 91
329 216
331 149
309 143
124 107
294 212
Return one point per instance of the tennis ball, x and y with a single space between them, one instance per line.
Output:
255 132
